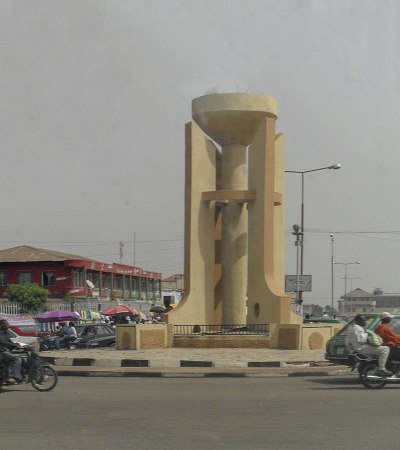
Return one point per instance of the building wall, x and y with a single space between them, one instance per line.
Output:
62 275
352 306
70 279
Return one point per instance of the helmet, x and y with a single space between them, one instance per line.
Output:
360 320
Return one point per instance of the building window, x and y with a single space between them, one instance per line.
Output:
77 278
96 280
118 282
48 278
3 279
24 277
136 287
106 283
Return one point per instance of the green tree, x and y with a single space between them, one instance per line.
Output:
317 310
31 296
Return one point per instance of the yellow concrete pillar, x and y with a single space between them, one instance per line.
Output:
234 237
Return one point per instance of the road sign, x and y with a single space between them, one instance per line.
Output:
304 283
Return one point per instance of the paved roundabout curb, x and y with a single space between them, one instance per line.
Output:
178 363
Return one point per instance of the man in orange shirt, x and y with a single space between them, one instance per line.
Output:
390 338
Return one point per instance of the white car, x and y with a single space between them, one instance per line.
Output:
30 340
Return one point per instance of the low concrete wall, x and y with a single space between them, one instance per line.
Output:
309 336
145 336
212 341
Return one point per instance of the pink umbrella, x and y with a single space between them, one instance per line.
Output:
119 309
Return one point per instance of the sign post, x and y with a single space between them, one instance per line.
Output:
304 283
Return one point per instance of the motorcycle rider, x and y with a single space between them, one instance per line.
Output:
389 337
356 341
6 344
65 333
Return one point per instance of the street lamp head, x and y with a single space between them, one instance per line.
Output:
296 228
302 172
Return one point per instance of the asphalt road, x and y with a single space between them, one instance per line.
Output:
197 413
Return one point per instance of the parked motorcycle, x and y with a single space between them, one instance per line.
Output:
35 371
52 342
367 367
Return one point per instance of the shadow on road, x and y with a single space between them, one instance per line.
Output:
343 383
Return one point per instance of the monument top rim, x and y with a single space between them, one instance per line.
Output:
235 102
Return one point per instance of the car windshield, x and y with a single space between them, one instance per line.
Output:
94 330
11 334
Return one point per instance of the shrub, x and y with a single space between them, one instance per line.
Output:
31 296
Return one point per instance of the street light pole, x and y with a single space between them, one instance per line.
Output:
302 172
297 243
332 278
345 272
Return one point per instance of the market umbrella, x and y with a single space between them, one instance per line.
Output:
119 309
157 309
57 315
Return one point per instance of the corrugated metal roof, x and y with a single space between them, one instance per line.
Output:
25 253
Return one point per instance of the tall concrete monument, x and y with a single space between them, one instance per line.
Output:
234 214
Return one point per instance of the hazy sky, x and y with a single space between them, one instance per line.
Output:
95 95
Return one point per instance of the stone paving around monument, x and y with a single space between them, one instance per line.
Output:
223 356
189 362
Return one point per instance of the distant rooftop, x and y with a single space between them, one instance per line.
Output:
25 253
357 293
174 277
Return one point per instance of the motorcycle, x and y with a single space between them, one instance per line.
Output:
51 342
368 373
35 371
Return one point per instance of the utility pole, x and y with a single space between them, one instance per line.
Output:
134 248
332 275
121 251
298 243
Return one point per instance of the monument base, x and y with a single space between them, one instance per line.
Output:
238 341
310 336
137 337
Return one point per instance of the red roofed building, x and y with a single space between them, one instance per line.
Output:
67 275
